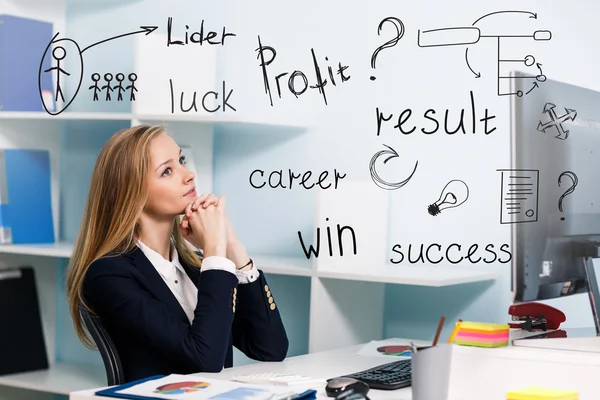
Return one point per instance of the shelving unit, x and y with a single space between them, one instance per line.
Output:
318 298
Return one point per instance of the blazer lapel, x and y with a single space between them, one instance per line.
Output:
155 283
192 272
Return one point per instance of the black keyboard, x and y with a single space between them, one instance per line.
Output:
391 376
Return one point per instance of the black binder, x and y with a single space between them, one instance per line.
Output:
22 345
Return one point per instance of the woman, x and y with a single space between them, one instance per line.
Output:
166 309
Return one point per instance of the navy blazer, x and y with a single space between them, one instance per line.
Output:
152 333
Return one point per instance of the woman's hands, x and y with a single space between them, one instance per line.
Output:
204 225
234 249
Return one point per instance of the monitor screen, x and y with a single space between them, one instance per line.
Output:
551 192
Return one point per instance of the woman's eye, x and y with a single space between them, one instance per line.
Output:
182 160
167 170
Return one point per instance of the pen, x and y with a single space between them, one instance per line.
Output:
439 330
455 331
413 348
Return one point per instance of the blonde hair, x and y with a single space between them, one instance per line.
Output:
110 223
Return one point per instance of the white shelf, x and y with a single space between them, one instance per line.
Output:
419 275
284 265
90 116
59 378
48 250
215 119
116 116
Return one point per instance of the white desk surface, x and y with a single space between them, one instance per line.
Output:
510 368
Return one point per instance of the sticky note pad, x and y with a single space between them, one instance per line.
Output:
538 393
481 334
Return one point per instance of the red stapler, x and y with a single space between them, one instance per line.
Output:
531 316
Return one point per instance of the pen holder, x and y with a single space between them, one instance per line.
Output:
431 372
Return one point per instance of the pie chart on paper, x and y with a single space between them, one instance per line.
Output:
395 351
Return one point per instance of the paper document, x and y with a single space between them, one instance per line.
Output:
197 387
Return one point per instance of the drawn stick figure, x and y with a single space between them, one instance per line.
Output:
132 78
59 53
95 87
120 89
108 78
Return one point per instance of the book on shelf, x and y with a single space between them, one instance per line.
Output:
25 197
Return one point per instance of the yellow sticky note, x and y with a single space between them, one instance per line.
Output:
484 326
538 393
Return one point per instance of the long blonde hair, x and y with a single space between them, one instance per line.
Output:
109 226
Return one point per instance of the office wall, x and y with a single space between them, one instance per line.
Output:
343 133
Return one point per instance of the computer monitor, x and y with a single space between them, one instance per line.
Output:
551 192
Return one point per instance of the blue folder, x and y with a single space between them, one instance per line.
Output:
25 197
114 391
22 45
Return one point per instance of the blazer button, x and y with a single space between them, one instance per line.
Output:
266 288
272 306
269 293
270 300
233 308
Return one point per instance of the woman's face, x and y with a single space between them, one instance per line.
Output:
170 184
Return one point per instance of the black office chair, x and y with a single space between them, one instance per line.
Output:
108 351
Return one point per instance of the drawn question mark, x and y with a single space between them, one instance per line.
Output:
567 192
390 43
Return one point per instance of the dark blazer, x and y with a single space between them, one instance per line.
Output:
152 333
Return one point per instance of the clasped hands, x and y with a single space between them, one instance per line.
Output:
206 226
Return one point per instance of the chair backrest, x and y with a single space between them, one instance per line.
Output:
108 351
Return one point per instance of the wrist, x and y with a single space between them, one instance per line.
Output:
237 253
215 250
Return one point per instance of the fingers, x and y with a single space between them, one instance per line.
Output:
204 200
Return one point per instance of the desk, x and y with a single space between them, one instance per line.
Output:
476 373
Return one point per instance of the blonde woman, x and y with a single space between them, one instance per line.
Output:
166 309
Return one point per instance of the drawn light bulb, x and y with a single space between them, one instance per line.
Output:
455 193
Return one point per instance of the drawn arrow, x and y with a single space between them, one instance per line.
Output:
377 179
147 29
535 85
532 15
477 74
556 121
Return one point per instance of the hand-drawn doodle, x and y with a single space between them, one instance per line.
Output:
390 43
469 35
455 193
60 52
556 121
377 179
570 190
95 78
108 77
519 195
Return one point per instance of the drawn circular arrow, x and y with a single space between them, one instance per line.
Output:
375 176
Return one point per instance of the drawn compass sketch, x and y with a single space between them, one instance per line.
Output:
470 35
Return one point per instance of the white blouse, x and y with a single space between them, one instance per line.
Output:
182 287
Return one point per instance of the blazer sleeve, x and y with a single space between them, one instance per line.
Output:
202 346
258 330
